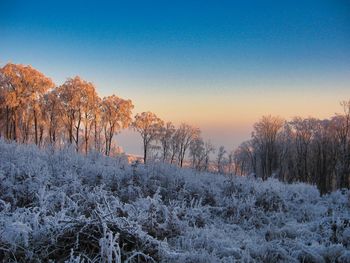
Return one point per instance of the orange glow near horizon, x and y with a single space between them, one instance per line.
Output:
230 110
227 119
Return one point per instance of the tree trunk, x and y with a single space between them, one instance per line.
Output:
70 131
77 133
15 130
7 134
145 152
86 145
36 127
86 141
41 136
95 135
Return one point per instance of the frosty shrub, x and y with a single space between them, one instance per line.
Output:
60 206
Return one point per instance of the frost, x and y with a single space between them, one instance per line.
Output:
60 206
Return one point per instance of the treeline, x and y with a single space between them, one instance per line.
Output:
34 110
303 149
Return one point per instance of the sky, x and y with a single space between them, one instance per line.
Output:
219 65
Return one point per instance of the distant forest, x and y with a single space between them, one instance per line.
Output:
34 110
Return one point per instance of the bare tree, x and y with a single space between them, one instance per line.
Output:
174 146
343 137
245 159
165 137
186 134
208 149
265 134
220 159
230 162
303 130
197 153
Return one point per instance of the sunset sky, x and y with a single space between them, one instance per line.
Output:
219 65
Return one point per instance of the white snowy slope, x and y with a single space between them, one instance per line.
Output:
66 207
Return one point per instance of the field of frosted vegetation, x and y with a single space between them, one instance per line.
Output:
60 206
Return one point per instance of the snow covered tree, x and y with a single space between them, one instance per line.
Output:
69 94
77 98
116 115
88 105
149 126
53 115
22 89
97 124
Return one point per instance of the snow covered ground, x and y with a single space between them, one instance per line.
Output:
62 206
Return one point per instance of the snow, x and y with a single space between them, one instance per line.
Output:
62 206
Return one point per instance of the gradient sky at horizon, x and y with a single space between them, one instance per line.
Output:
219 65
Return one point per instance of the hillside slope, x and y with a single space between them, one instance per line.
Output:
62 206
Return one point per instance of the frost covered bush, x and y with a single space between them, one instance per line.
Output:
60 206
270 202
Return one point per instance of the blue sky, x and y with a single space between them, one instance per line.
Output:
196 61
